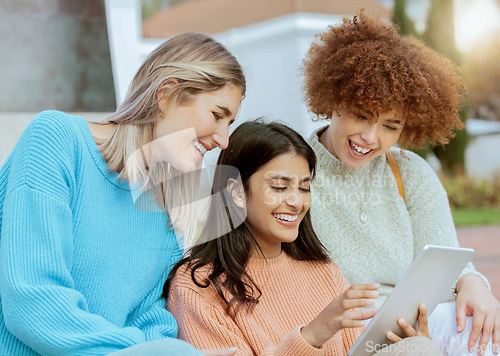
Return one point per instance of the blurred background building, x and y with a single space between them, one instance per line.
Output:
269 38
53 55
80 56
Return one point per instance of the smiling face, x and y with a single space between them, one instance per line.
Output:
187 131
279 197
355 141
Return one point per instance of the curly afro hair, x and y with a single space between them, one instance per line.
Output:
364 66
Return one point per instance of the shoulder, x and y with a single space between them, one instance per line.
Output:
56 130
183 281
411 164
51 131
46 154
54 123
419 179
313 139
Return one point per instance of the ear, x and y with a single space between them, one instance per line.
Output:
160 96
236 192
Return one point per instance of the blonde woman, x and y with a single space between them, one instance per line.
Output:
82 265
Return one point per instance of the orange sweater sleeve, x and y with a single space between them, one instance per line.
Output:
349 335
207 326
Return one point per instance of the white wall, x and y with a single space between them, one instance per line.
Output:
482 158
271 54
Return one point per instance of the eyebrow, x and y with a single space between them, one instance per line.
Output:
393 121
227 112
288 179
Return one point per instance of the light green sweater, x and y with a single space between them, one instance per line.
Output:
380 249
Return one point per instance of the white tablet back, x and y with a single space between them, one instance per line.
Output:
428 280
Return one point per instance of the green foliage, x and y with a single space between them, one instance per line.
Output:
476 216
467 192
151 7
452 156
422 152
404 24
440 29
440 35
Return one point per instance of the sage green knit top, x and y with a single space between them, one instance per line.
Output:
380 249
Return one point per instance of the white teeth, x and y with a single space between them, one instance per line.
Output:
200 148
359 149
286 217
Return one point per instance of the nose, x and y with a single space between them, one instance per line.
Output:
221 138
294 199
369 133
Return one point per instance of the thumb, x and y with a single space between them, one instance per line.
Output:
460 310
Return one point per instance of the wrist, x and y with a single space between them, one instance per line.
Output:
469 281
310 336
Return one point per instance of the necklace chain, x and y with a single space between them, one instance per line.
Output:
362 215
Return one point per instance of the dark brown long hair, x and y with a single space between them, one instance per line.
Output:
251 145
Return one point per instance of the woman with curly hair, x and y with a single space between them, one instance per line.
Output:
379 89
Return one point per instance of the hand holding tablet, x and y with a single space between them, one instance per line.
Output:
428 280
336 316
422 326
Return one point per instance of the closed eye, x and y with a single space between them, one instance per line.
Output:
278 188
217 116
361 117
392 128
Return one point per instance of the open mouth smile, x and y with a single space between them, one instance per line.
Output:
358 150
286 219
200 148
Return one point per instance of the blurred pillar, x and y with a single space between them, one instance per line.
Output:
54 55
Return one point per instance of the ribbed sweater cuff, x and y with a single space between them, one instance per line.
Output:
295 344
474 273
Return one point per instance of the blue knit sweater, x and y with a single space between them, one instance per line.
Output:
81 269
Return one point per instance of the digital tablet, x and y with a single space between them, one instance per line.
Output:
428 280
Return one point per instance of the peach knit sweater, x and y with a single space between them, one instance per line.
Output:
293 293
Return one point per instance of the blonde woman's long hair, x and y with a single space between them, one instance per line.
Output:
196 63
